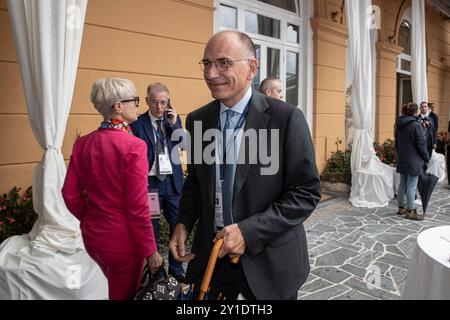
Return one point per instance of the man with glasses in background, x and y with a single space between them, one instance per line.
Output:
156 127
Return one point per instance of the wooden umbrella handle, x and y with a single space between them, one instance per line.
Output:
210 268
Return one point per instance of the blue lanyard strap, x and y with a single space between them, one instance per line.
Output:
237 128
240 122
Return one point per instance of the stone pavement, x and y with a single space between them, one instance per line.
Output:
361 253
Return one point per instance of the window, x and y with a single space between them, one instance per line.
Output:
273 63
292 33
404 37
257 79
258 24
289 5
228 17
404 41
292 78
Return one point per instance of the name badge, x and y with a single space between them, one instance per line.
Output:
164 164
218 209
153 205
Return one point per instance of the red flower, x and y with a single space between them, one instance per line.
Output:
10 220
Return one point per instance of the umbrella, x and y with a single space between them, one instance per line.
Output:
202 294
427 183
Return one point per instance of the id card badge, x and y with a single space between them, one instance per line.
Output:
218 209
153 205
164 164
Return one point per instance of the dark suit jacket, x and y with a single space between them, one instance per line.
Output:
143 128
269 209
435 119
430 133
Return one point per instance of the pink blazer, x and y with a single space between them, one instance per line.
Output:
106 189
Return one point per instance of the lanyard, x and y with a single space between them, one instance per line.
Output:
236 129
233 137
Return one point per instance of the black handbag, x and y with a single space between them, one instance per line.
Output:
159 286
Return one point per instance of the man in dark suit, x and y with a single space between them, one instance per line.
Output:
428 127
433 115
260 213
156 127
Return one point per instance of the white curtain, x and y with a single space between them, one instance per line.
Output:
47 36
372 181
418 53
306 86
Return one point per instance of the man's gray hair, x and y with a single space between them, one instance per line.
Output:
106 92
267 84
246 42
156 87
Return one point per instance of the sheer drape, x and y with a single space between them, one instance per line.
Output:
50 260
372 181
418 53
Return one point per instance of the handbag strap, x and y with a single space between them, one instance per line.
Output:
152 277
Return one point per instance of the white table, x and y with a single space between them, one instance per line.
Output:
429 269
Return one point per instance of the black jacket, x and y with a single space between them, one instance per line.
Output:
435 119
410 143
269 209
430 132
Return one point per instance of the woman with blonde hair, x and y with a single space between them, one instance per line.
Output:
106 189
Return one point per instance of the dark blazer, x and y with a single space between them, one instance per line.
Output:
435 119
410 143
430 133
143 128
269 209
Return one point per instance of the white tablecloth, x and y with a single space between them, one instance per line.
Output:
436 165
429 269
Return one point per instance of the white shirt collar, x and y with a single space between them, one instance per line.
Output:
153 118
240 106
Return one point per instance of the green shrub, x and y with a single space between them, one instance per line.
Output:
338 168
17 215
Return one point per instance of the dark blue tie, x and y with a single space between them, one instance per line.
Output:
227 167
159 149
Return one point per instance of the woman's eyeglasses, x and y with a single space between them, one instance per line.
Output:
136 101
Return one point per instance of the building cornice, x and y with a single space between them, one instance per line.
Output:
386 50
438 66
325 29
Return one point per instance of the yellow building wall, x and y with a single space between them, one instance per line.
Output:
329 81
438 52
141 40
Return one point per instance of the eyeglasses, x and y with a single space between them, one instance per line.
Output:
221 64
155 102
135 99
